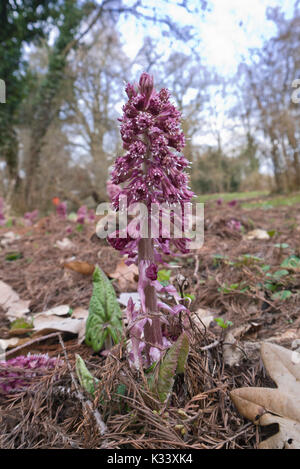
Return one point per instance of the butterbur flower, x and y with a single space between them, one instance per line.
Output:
232 203
234 225
151 172
17 373
91 216
61 210
30 217
81 214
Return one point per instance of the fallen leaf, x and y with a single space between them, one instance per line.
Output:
266 406
52 320
288 335
202 318
9 238
11 303
61 310
5 344
81 313
233 352
81 267
257 234
124 298
125 274
65 244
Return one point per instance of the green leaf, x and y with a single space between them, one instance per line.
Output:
190 297
218 258
21 323
222 323
13 256
86 379
270 286
282 295
162 380
79 228
121 389
280 273
9 223
105 316
292 263
282 245
272 233
163 276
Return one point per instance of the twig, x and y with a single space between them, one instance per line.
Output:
33 341
86 403
210 346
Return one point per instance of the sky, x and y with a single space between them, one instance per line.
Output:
226 32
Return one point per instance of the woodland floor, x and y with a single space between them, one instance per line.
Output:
226 278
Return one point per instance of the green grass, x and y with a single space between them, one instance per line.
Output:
264 200
275 201
231 196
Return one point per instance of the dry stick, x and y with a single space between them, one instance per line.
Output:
86 403
210 346
33 341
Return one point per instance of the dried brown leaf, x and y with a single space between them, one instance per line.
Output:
266 406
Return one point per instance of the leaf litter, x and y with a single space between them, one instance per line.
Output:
200 413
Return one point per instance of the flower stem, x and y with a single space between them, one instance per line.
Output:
152 332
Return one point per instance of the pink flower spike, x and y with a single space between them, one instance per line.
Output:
30 217
17 373
81 214
232 203
152 171
61 210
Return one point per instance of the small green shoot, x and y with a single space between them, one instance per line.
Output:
163 276
222 323
79 228
272 233
234 287
189 297
21 323
9 223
